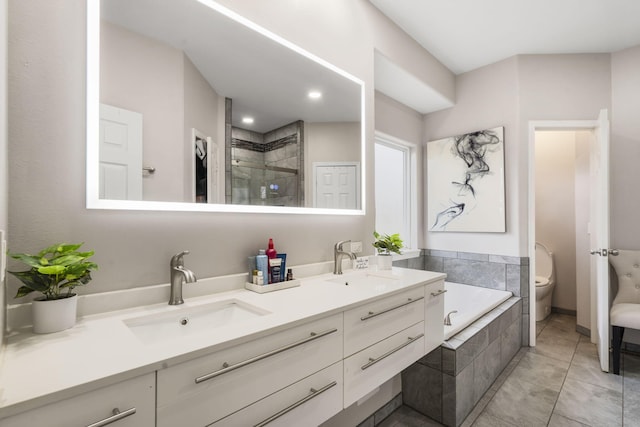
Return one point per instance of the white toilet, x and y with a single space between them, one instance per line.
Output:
545 281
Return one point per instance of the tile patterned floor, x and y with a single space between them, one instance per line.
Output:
558 383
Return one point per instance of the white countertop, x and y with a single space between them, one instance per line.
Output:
101 349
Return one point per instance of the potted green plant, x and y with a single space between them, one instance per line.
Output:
385 245
54 272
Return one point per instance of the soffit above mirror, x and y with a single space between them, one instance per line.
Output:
397 83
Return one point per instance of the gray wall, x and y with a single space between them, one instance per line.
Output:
486 98
556 209
511 93
4 176
625 148
47 152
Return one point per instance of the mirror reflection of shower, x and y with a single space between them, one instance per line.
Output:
266 168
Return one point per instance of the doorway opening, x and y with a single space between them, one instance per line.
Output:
597 225
562 195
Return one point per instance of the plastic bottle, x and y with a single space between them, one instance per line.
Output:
271 251
271 254
262 263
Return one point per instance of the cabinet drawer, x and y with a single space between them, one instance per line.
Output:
375 321
366 370
434 316
134 399
308 402
203 390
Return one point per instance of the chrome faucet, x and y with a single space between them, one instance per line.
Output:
447 319
338 253
179 275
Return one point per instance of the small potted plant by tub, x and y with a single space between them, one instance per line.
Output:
54 272
385 245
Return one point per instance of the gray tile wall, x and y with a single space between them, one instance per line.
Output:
377 417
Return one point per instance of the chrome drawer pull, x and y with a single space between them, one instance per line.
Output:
372 314
117 416
373 361
293 406
228 368
440 292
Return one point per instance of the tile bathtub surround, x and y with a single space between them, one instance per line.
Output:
381 414
546 388
485 270
447 383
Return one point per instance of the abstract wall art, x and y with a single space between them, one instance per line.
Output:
465 182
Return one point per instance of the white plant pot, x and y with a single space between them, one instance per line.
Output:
384 261
54 315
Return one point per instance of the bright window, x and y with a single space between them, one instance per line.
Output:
395 178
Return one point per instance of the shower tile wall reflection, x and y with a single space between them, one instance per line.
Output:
266 168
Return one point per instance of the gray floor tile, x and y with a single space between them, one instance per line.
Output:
631 390
507 404
563 321
590 404
541 370
560 331
555 347
560 421
540 326
586 367
486 420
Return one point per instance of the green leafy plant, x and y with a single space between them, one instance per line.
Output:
53 269
385 244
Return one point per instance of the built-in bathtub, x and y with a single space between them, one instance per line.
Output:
484 335
470 303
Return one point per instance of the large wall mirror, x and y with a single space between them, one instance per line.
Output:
191 107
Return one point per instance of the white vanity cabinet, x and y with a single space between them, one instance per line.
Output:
434 315
130 403
310 402
369 323
382 338
202 391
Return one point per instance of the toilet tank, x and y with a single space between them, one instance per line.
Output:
544 261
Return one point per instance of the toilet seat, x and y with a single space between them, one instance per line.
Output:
542 281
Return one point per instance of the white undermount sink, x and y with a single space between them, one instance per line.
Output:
183 321
370 278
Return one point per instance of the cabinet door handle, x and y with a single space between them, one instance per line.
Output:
438 292
373 361
228 368
117 416
386 310
313 393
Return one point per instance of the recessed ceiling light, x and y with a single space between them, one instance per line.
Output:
247 120
314 94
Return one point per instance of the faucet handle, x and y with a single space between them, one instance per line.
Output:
177 260
339 244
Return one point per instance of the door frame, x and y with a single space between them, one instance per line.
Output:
542 125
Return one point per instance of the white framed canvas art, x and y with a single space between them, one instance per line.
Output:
465 182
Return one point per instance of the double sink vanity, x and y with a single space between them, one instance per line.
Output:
227 359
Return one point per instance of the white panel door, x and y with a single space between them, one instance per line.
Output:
336 187
120 154
599 175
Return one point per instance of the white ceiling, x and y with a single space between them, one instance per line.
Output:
467 34
265 79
